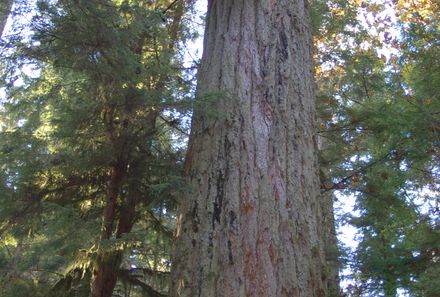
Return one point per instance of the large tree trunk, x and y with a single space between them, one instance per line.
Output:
251 225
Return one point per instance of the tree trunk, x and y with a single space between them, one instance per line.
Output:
108 262
329 225
331 245
105 273
251 225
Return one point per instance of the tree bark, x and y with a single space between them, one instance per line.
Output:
105 273
329 225
251 225
331 246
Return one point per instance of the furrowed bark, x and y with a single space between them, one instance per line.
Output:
251 225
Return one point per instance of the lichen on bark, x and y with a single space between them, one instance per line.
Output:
253 172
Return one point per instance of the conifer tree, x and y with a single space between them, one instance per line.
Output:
381 145
92 142
87 144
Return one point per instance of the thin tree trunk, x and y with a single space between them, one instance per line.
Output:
331 246
251 225
329 228
108 262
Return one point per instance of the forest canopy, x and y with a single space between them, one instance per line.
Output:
95 108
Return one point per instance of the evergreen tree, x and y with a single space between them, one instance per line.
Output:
380 141
93 131
90 164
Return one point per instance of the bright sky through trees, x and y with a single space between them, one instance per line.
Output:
377 78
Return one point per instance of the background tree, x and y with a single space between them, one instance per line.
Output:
88 146
380 142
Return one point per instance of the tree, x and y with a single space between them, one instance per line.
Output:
87 153
251 223
379 115
91 149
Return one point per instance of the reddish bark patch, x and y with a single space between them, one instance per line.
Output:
289 293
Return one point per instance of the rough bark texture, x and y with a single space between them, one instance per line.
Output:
251 225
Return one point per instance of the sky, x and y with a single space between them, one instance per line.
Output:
345 204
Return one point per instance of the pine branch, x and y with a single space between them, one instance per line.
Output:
173 123
124 275
34 199
169 6
340 184
145 271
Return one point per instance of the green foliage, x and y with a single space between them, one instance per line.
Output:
96 87
378 126
105 94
